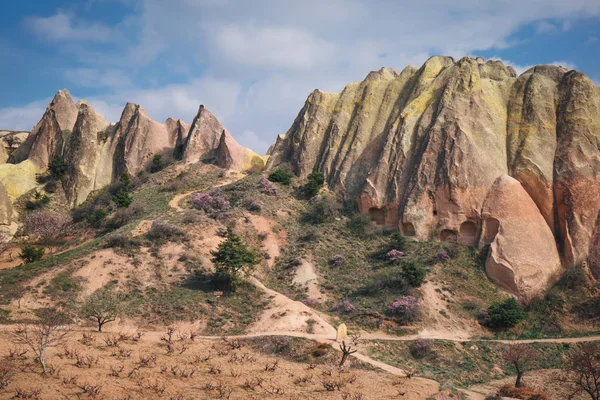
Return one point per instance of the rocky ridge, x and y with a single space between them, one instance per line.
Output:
97 153
429 151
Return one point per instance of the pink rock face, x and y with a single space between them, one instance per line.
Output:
421 149
48 137
523 257
203 138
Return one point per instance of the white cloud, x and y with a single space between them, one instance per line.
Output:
565 64
96 78
254 63
22 118
273 47
64 27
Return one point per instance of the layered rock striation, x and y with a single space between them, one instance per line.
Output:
422 150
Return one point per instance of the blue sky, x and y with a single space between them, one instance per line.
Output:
254 62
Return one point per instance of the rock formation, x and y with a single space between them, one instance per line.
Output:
203 138
231 155
98 153
420 150
6 208
523 257
50 134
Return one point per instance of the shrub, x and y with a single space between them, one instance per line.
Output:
420 348
413 273
161 231
266 187
281 176
397 241
122 198
505 314
46 224
31 254
39 200
122 241
344 307
123 216
157 163
573 278
311 188
394 255
441 257
359 224
212 204
252 205
337 260
57 166
589 309
51 186
233 260
96 216
405 308
321 210
311 302
523 393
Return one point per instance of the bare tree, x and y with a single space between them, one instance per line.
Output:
20 292
104 306
346 352
520 356
46 224
49 330
582 370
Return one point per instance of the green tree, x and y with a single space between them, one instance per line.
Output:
57 167
314 184
397 241
103 306
233 260
505 314
31 254
122 198
413 273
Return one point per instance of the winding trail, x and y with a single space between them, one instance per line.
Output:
294 315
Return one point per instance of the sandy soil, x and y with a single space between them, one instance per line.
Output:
307 277
440 321
196 369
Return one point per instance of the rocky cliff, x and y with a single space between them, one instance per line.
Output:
422 150
97 153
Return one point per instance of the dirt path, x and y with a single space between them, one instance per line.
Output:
233 176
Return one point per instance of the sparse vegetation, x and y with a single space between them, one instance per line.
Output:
281 176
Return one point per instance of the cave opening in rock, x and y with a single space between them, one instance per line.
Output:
448 235
377 215
408 229
468 232
491 227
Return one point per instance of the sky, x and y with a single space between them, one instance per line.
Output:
253 63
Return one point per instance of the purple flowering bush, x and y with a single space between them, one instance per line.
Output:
311 302
344 307
394 255
405 308
266 187
212 204
337 260
442 257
